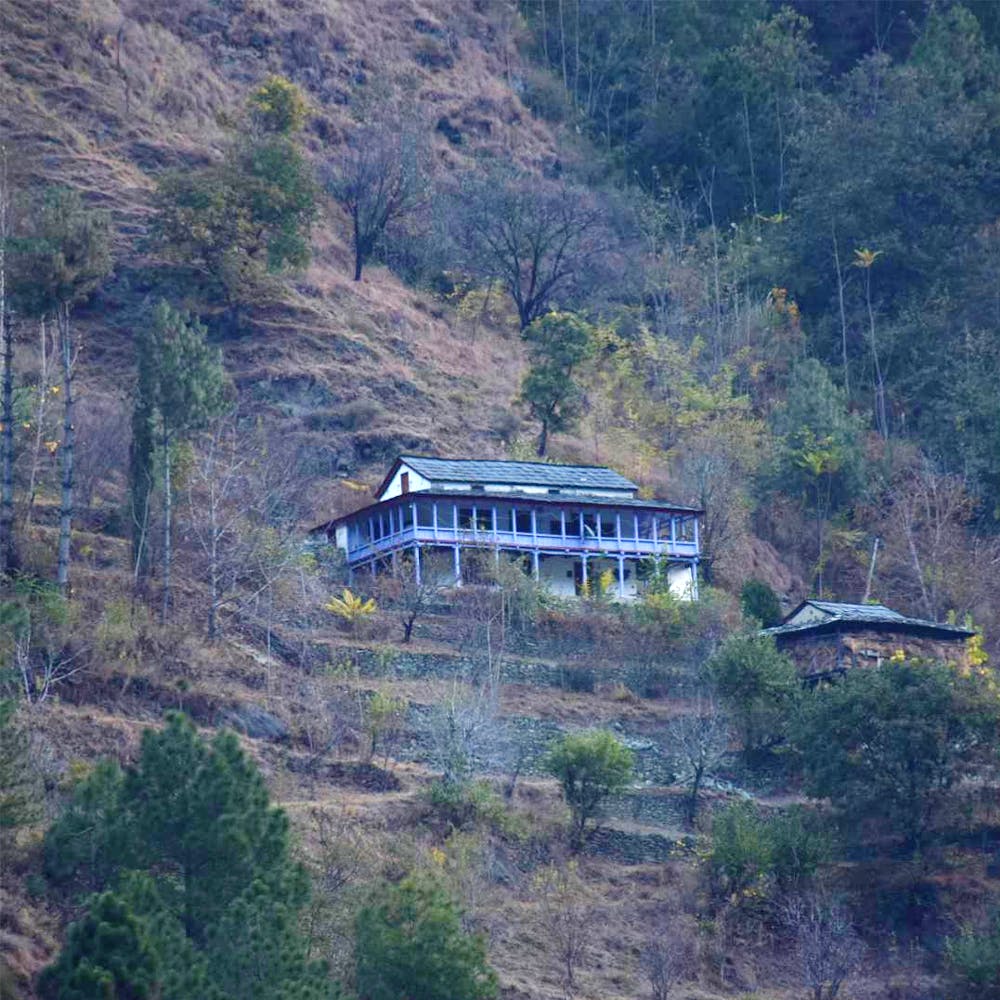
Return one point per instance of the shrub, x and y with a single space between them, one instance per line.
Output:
974 963
760 603
759 686
754 854
590 766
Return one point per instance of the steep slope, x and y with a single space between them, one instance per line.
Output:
105 94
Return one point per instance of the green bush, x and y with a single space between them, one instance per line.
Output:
467 803
760 603
759 686
753 853
590 766
973 962
887 744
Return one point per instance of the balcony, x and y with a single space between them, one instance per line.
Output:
568 544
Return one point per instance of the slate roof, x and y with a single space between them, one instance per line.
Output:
464 470
864 615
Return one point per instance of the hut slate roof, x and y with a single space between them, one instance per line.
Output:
864 615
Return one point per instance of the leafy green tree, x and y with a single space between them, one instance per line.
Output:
61 259
181 387
410 943
234 222
558 343
195 821
759 686
886 745
590 767
759 601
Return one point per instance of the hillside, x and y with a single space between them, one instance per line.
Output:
831 414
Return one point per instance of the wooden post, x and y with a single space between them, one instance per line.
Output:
416 564
416 526
621 577
535 569
618 530
534 528
673 534
583 570
493 512
458 566
696 546
562 523
656 534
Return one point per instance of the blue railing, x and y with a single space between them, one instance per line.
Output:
521 540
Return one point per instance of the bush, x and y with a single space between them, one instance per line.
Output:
760 603
754 854
974 963
410 943
759 686
467 803
590 766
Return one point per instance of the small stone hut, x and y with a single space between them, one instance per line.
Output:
828 637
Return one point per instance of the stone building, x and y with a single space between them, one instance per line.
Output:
827 637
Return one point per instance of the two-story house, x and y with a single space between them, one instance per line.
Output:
569 525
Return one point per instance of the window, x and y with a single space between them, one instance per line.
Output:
404 482
465 518
590 526
551 525
608 527
523 522
425 515
484 519
645 526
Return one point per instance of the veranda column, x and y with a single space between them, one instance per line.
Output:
457 558
621 577
535 569
583 571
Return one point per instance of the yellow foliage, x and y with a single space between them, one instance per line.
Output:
351 607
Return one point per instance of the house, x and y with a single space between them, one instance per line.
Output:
568 525
828 637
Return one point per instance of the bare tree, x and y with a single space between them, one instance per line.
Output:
535 236
409 595
568 912
827 948
241 507
698 741
666 958
466 731
378 178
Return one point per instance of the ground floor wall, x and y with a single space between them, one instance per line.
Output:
825 654
563 575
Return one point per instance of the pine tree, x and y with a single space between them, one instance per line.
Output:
189 839
410 943
181 388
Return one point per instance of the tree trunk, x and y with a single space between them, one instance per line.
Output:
359 257
543 439
68 444
168 500
8 556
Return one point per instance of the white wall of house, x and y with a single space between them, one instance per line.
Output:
395 488
683 582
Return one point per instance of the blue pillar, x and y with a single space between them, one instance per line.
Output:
416 564
458 566
621 577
